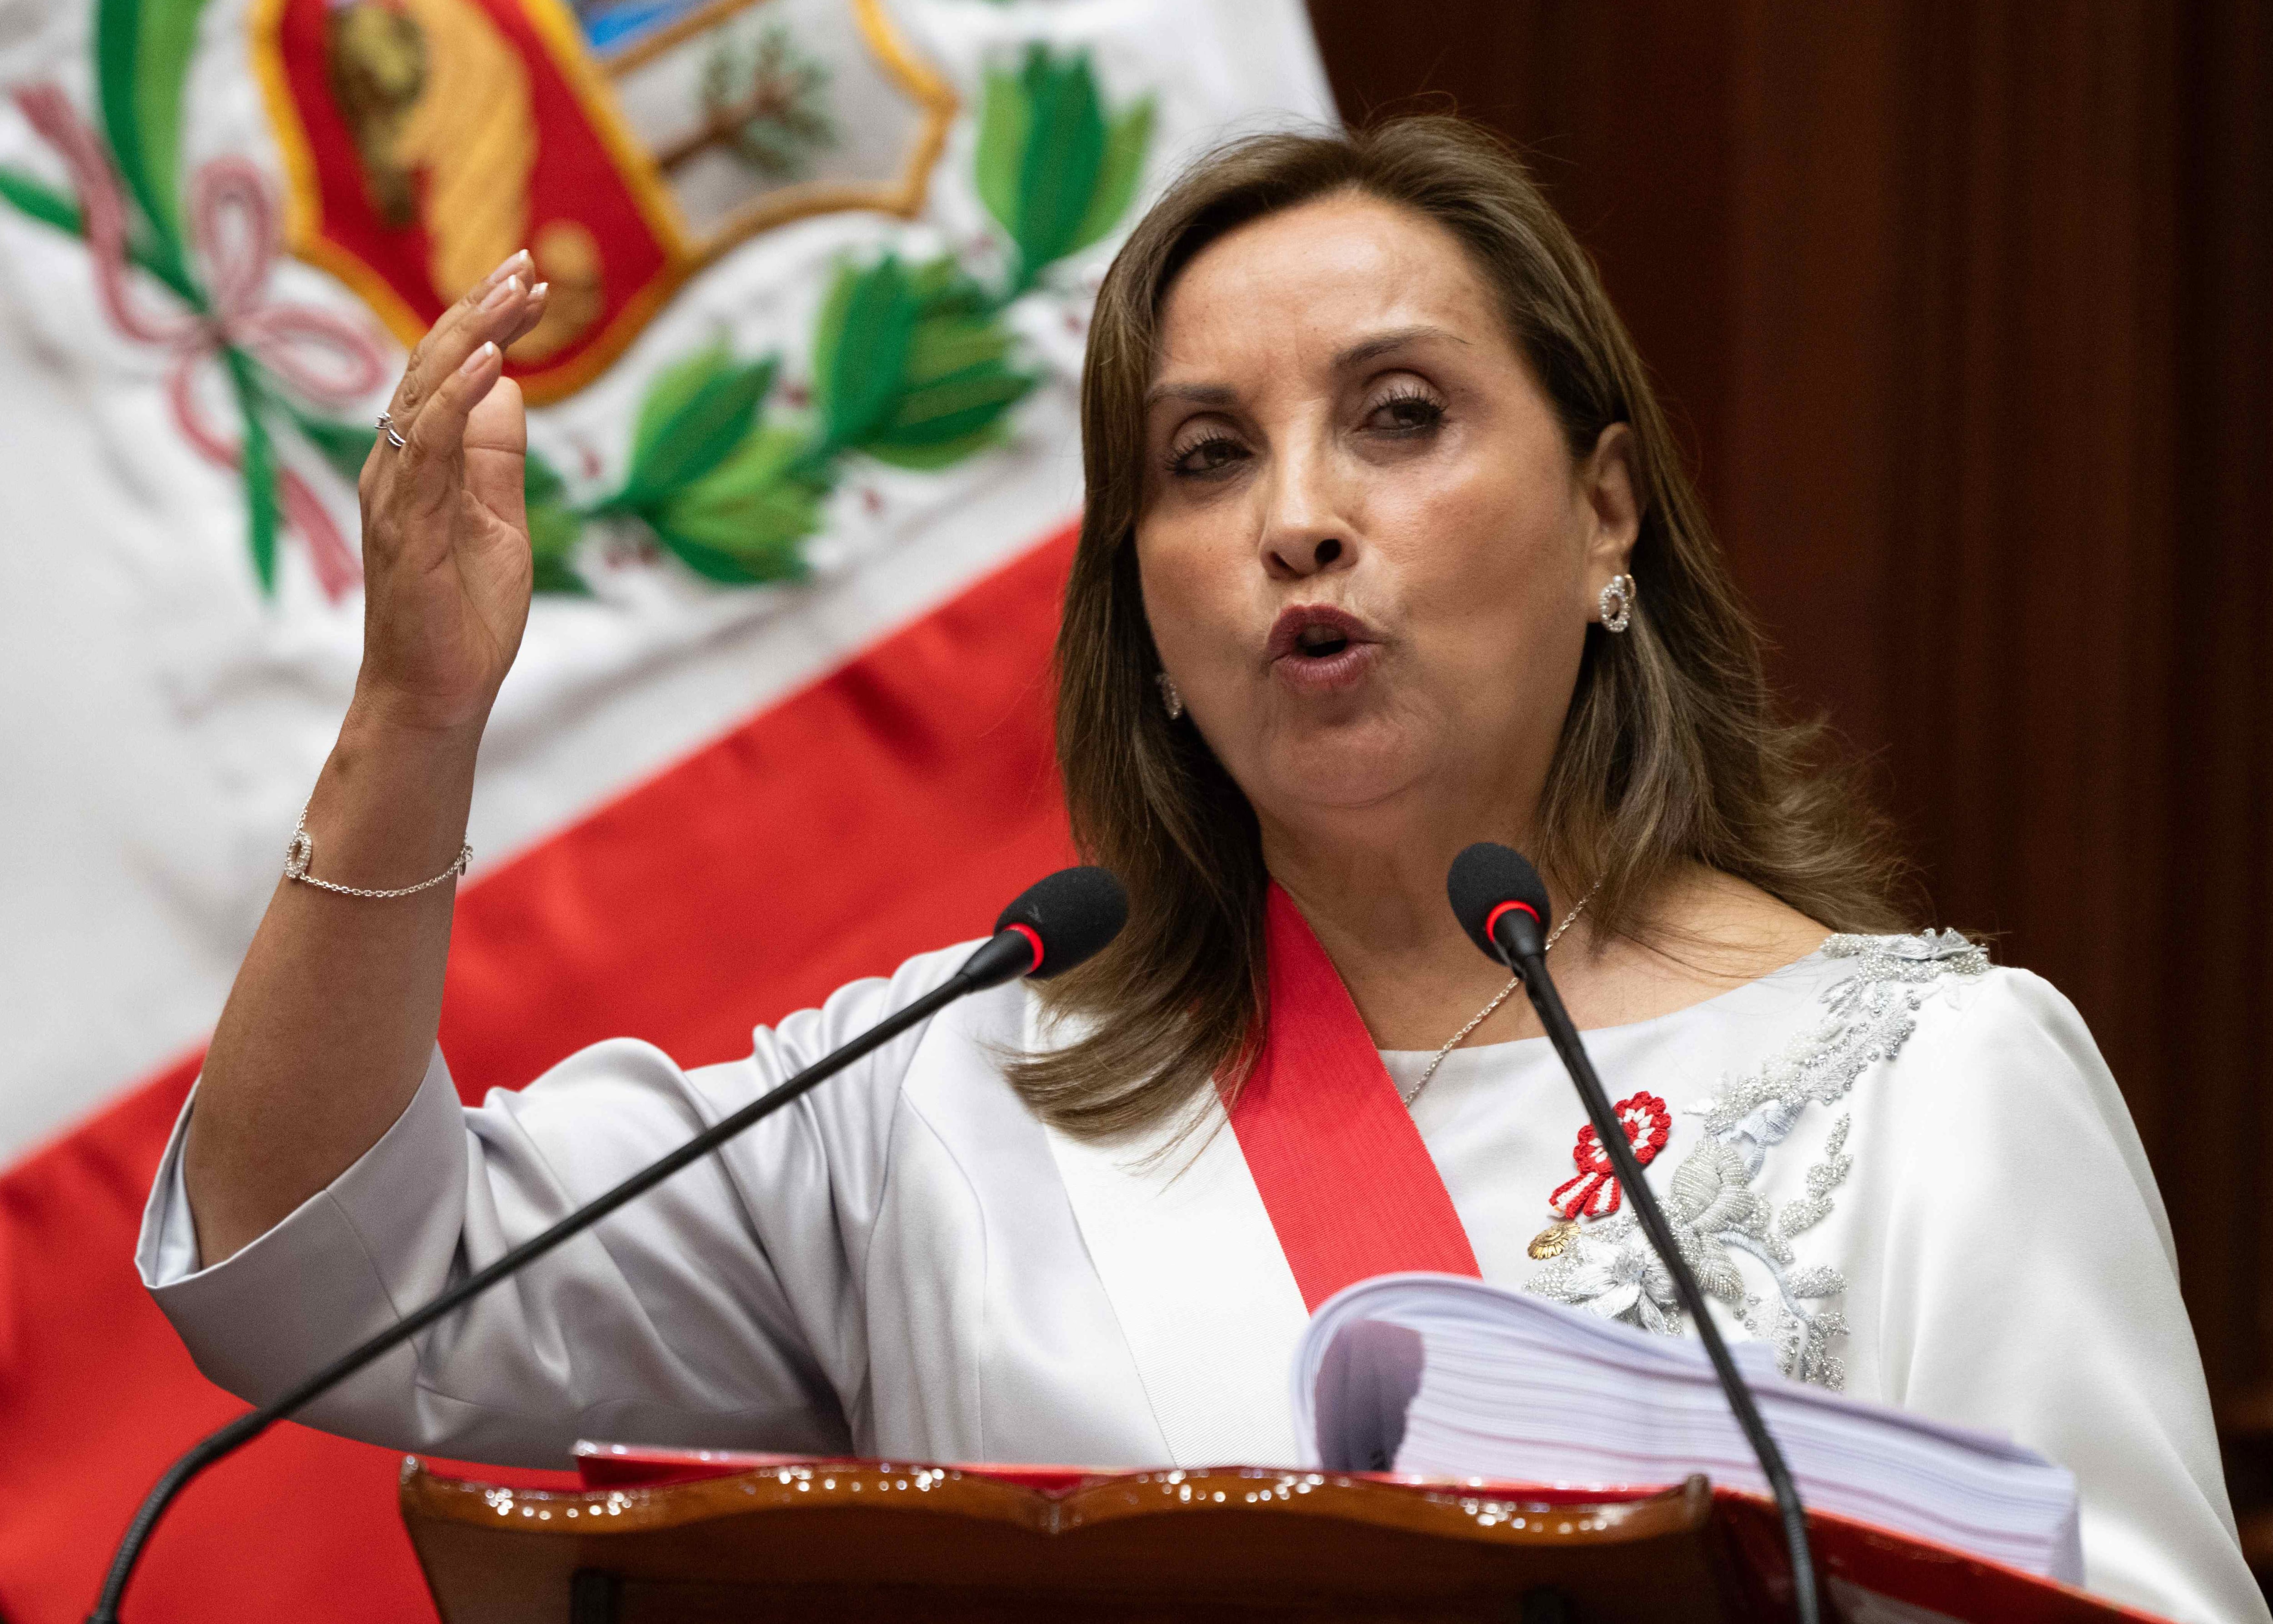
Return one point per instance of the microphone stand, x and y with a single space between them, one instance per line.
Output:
1525 956
1011 952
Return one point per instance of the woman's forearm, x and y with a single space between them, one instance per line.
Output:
328 1028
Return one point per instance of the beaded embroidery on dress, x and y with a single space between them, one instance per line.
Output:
1711 1202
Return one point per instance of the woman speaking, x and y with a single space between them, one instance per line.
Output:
1387 549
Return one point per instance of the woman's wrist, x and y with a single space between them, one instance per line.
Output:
414 721
390 807
382 727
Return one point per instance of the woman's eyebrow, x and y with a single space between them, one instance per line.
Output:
1356 354
1202 394
1382 343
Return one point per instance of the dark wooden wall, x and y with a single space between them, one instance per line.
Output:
1967 310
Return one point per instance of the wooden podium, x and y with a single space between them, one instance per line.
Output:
857 1541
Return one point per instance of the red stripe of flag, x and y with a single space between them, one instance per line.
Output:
892 807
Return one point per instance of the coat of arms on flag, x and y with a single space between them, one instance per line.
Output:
629 143
626 143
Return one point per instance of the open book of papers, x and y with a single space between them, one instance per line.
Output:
1446 1377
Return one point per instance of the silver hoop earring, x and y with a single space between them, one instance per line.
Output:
1169 697
1616 603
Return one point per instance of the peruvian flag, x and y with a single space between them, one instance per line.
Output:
805 477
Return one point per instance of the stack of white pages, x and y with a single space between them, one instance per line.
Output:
1443 1377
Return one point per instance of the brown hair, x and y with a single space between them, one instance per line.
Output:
1671 751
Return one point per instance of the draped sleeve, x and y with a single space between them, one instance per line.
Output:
722 1308
2024 1281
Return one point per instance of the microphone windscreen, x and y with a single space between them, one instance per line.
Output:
1075 912
1485 875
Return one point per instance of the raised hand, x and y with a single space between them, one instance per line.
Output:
446 572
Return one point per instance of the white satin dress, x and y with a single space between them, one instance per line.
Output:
1911 1172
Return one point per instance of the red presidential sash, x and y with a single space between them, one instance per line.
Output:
1350 1190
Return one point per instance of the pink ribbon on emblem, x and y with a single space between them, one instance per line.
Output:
326 360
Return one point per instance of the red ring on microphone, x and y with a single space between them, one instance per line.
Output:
1034 937
1491 919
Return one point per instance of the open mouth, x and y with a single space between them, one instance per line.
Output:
1320 648
1316 641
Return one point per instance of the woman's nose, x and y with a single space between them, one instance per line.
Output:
1303 537
1293 558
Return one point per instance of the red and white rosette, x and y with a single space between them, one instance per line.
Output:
1593 1192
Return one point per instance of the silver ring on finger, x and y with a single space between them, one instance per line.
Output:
386 423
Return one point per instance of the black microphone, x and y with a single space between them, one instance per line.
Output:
1500 902
1055 924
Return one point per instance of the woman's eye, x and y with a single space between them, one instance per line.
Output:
1201 457
1405 414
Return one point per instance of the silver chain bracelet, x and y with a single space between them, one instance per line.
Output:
301 851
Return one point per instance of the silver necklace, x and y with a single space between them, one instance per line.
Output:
1498 999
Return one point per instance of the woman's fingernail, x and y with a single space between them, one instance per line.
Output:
479 360
508 264
540 290
504 294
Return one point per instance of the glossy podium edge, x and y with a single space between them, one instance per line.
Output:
857 1540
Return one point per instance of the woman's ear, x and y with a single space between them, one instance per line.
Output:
1610 491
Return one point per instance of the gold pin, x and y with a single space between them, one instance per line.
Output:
1550 1241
